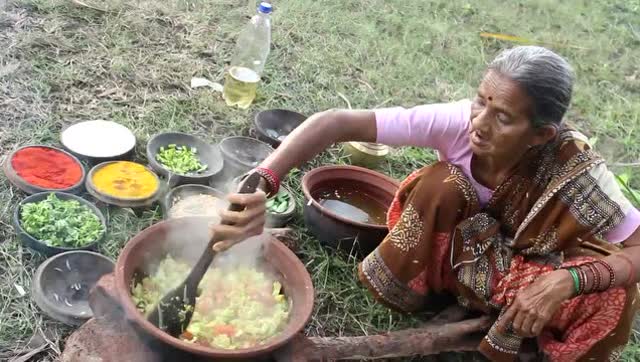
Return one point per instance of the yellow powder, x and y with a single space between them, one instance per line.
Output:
125 179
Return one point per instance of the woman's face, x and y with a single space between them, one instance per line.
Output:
500 119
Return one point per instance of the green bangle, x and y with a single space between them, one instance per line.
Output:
576 279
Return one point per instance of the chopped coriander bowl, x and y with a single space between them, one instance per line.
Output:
55 222
183 159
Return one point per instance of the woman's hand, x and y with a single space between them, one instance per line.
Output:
535 305
242 224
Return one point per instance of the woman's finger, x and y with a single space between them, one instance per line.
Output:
518 320
508 316
527 325
255 226
242 217
234 235
538 325
248 199
227 232
221 246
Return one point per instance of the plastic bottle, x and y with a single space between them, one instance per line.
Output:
247 64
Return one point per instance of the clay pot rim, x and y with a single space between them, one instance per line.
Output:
355 169
294 326
227 154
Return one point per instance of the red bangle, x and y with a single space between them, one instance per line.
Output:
612 274
595 274
273 181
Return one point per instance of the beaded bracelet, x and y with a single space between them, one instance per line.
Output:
273 181
612 274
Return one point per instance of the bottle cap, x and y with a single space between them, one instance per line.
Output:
265 8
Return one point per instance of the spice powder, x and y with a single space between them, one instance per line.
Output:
46 167
125 179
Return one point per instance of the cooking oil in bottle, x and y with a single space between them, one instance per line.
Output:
240 86
247 64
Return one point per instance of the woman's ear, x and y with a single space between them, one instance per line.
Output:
544 134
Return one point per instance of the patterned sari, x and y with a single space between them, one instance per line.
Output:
551 212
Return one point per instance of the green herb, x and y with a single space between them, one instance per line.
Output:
62 223
279 203
180 159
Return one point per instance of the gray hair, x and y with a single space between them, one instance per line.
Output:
544 75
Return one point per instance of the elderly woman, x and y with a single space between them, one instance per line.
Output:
520 219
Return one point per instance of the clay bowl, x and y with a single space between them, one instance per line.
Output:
240 154
30 189
336 231
273 125
278 220
39 245
171 237
132 202
62 283
180 192
208 154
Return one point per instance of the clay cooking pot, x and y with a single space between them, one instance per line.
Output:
177 237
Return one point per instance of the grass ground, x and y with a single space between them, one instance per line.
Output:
131 62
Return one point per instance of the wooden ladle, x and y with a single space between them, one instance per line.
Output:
174 311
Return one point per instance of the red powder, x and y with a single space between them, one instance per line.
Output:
46 168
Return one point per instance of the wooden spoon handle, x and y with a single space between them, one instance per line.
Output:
248 185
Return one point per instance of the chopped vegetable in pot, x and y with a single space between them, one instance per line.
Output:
180 159
238 307
279 203
61 223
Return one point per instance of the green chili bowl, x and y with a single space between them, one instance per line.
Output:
278 220
42 247
207 154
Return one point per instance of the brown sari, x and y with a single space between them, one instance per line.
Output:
551 212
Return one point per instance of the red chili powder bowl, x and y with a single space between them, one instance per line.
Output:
46 167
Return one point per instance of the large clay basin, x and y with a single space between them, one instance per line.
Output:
185 238
334 230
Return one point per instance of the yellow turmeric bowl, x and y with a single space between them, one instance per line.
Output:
123 183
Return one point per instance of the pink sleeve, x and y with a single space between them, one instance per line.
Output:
622 232
435 126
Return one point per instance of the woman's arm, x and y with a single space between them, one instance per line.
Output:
436 126
534 307
319 132
309 139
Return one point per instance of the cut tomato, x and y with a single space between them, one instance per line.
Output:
224 329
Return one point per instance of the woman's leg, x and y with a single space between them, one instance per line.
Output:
412 263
